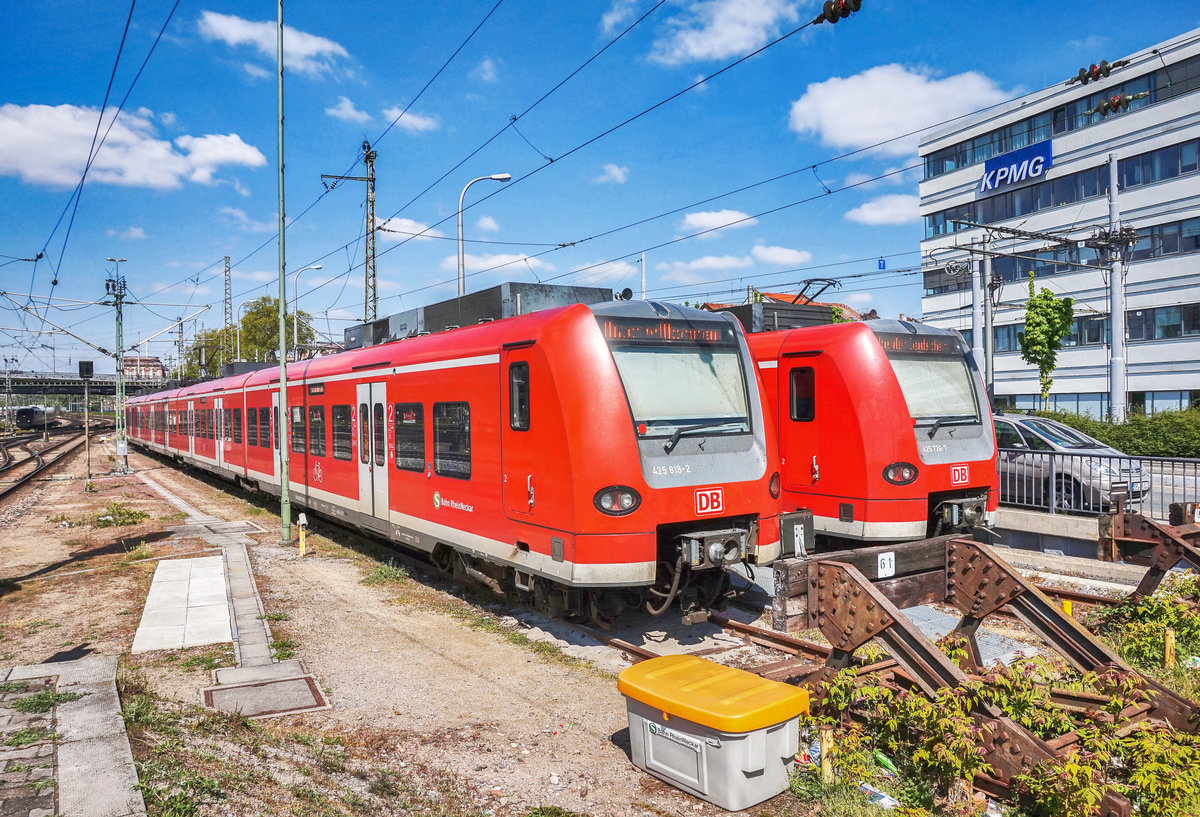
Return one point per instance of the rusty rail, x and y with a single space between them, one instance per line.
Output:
1140 540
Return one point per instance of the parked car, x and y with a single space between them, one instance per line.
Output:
1039 457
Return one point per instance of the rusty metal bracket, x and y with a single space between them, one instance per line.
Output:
1140 540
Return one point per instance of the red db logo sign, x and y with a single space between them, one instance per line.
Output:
959 475
710 500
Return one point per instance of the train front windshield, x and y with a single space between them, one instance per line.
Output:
937 383
680 374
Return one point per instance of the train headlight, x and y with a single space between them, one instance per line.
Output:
773 485
617 500
900 473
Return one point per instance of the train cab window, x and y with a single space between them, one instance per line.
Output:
237 426
316 430
364 433
410 436
518 396
452 440
802 394
227 423
252 427
343 442
297 413
264 427
380 429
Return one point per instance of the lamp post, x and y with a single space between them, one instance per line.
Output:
116 288
496 177
296 307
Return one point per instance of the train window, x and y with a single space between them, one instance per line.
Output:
316 430
212 426
264 427
237 426
452 440
518 396
380 429
364 433
343 442
227 420
802 393
275 424
297 413
252 427
410 436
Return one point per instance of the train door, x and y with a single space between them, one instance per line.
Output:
522 443
191 427
371 416
799 440
218 432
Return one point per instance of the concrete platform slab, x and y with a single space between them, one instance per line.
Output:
266 699
187 606
271 672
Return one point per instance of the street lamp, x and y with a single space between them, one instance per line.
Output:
496 177
296 307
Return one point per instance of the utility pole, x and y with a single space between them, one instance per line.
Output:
115 286
281 423
227 339
371 289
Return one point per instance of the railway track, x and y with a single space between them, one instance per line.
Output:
17 471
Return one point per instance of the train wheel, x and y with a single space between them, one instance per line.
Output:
606 607
443 559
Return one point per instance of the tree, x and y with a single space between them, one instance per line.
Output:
260 340
1048 319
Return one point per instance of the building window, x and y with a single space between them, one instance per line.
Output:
452 440
409 420
316 430
343 440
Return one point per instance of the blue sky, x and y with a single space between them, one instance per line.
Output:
187 174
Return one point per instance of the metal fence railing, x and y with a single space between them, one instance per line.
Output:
1081 483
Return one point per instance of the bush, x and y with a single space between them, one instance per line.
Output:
1165 434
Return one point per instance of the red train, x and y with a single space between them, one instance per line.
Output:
580 458
885 430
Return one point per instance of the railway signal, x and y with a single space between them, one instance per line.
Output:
835 10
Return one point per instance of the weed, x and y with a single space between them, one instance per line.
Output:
24 737
179 794
280 616
142 551
284 648
383 785
207 660
43 784
117 515
551 811
389 573
45 700
13 686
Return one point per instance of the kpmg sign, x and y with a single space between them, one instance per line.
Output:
1018 166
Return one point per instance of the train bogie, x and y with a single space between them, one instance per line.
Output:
581 457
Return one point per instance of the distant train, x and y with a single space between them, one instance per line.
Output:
35 417
582 459
885 431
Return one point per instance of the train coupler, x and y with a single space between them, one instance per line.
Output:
714 548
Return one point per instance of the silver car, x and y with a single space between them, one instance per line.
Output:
1042 461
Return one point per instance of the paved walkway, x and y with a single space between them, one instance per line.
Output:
186 606
77 753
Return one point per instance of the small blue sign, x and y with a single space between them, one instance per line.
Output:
882 264
1021 165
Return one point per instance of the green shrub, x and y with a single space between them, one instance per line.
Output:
1165 434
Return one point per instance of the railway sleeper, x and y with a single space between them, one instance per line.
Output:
856 596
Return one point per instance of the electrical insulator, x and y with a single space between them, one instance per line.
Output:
835 10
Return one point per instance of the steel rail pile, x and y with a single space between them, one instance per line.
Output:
1158 546
855 596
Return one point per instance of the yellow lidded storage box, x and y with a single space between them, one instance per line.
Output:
723 734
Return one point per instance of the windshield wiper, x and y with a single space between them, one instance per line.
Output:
952 420
670 444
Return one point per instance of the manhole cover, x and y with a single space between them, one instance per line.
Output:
265 699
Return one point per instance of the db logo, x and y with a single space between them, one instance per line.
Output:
710 500
959 475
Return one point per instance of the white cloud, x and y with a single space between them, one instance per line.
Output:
895 208
412 122
245 223
486 71
781 256
302 52
717 29
886 102
859 299
346 111
601 273
46 145
258 276
614 174
618 14
130 234
401 229
487 224
501 263
694 272
1092 42
715 220
256 71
